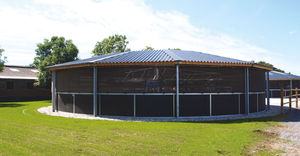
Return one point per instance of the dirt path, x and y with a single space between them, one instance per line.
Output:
289 133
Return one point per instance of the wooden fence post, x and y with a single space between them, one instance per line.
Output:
281 101
290 99
297 98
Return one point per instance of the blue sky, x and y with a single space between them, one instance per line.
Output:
274 25
249 30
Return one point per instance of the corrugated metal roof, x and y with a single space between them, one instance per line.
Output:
275 75
154 56
18 72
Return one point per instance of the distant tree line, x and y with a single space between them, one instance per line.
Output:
270 65
59 50
2 60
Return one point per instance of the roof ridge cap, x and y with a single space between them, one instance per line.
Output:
107 57
173 55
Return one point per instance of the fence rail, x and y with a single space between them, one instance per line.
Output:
134 96
290 96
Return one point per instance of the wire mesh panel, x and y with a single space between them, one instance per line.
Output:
225 104
261 102
118 105
154 105
195 79
252 103
84 104
278 84
136 79
242 103
194 105
257 80
75 80
65 102
296 84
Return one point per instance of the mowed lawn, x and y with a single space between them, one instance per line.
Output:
24 131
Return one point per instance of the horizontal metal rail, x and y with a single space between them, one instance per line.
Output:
159 93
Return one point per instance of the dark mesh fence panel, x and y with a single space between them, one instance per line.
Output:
262 102
242 104
275 94
194 79
154 105
257 80
194 105
136 79
296 84
84 104
75 80
278 84
65 102
118 105
252 103
225 104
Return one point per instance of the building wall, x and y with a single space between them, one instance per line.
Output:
18 90
152 90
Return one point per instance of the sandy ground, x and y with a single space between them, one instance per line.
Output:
289 131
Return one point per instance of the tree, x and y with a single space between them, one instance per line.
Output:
270 65
2 61
57 50
174 49
112 44
148 48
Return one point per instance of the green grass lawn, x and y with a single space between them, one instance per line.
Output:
24 131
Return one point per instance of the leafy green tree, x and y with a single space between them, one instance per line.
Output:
174 49
112 44
54 51
148 48
2 61
269 65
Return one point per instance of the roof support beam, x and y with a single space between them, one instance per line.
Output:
53 87
247 91
268 90
177 90
95 86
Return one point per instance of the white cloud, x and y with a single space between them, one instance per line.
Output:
86 22
293 32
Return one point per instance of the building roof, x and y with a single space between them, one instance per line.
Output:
18 72
157 57
275 75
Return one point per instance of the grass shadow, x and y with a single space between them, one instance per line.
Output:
12 105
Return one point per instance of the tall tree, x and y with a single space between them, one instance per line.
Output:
269 65
174 49
57 50
2 61
112 44
148 48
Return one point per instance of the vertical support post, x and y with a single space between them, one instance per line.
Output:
174 106
95 86
239 99
177 90
290 99
247 91
281 101
134 105
291 84
73 95
210 105
268 90
53 87
257 105
297 98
